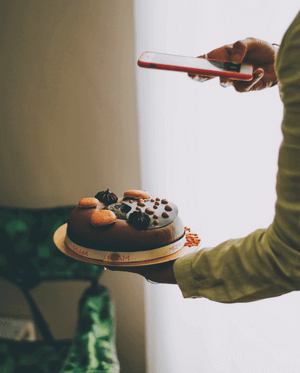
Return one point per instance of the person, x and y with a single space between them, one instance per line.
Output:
266 263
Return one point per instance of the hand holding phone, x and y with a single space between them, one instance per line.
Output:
197 66
258 53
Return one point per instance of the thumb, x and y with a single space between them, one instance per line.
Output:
241 86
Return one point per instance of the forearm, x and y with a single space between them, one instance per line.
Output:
239 270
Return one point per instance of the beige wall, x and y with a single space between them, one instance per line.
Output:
68 130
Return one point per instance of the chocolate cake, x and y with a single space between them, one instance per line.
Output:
132 228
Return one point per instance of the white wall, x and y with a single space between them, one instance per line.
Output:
213 151
69 130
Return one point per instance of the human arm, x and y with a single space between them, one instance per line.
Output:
267 262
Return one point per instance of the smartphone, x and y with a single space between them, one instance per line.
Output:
198 66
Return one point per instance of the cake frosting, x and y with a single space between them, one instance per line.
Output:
129 228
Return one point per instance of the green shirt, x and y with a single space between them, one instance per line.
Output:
267 262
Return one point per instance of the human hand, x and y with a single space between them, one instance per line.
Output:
257 52
161 273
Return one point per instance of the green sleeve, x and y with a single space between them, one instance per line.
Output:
267 262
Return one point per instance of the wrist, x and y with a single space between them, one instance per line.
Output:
276 48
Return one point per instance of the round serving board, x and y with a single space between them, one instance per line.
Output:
59 240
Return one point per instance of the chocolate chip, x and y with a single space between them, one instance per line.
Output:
155 222
141 204
157 199
157 203
155 216
130 201
168 208
149 211
155 207
164 201
152 200
165 214
137 208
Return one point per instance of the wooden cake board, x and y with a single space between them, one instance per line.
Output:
59 240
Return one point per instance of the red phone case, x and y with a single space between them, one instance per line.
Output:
227 74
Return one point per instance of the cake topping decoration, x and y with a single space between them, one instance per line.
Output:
107 197
192 239
165 215
136 194
139 220
168 208
164 201
149 211
103 217
87 203
120 210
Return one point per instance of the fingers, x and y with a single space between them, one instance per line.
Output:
241 47
199 78
249 86
160 273
236 53
138 270
225 83
241 86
